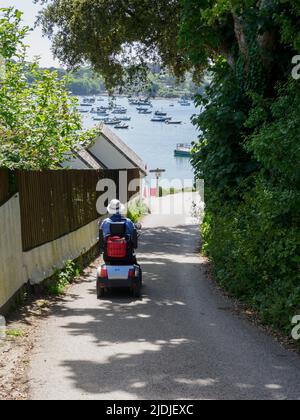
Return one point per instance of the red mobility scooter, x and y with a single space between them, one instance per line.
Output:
120 268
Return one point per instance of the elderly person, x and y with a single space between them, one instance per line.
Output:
116 210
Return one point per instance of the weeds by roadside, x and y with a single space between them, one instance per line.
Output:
136 210
23 323
14 333
62 278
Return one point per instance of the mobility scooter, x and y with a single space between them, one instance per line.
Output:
120 268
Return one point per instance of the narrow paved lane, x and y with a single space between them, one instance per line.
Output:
180 341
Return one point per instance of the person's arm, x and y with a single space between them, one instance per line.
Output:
104 232
132 232
101 238
105 227
130 227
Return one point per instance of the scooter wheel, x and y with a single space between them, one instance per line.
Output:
137 292
100 291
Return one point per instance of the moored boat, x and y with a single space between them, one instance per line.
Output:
139 102
159 119
184 102
103 118
173 122
145 111
122 126
183 150
161 113
99 111
119 110
114 121
89 101
134 103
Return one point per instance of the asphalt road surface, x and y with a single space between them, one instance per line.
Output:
182 340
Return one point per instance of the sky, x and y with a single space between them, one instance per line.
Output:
38 45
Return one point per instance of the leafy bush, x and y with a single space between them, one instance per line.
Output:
136 210
62 278
253 237
256 254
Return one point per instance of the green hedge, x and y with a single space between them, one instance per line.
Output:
252 227
256 253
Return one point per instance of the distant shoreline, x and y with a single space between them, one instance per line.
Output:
126 96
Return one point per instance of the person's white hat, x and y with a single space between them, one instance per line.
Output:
116 207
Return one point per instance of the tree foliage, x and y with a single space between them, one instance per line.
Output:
38 121
118 37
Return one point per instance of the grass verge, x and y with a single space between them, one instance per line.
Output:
172 191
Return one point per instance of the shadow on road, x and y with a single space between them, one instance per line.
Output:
176 342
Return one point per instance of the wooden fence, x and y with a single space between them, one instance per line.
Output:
55 203
4 186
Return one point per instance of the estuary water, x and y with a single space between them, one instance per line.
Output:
155 142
